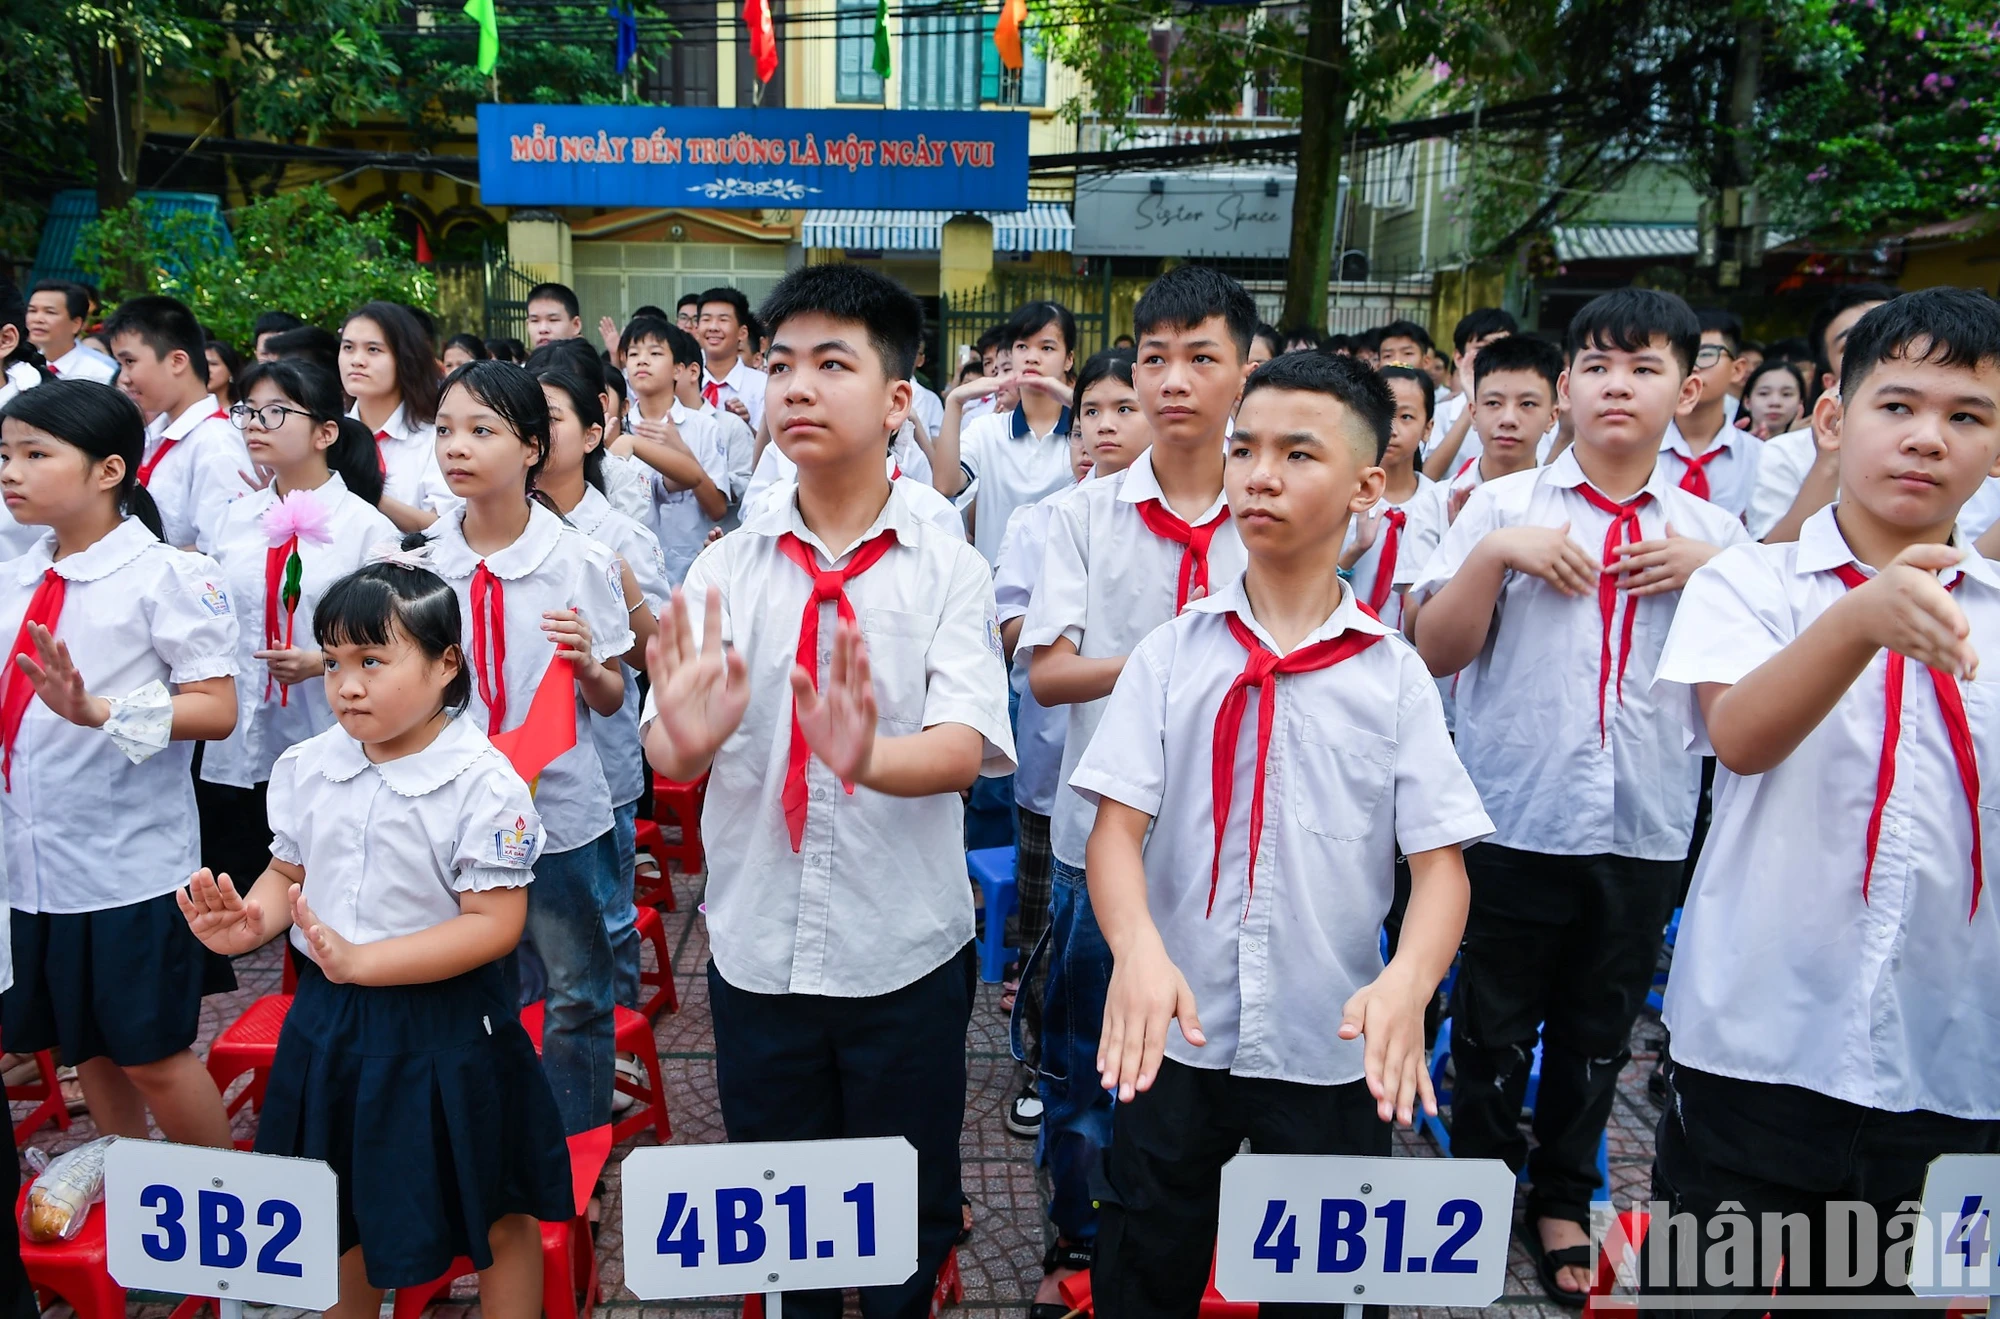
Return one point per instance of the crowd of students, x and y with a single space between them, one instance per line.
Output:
1544 640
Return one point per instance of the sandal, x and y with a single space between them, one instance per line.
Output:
1547 1262
1061 1255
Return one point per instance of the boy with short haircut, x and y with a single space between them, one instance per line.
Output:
1703 448
733 384
1124 555
1405 343
57 313
682 448
195 462
839 912
1839 955
1513 405
268 325
687 312
1550 597
1475 329
553 313
1219 1026
1388 542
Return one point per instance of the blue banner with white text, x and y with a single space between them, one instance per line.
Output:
663 155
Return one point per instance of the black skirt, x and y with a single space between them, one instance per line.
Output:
124 983
431 1107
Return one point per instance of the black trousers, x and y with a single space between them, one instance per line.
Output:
1563 945
1157 1219
1783 1150
235 835
809 1067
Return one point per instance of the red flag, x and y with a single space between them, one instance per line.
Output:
550 728
1007 32
763 39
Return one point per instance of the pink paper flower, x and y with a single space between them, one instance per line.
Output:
297 514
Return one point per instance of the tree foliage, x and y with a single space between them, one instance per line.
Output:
297 251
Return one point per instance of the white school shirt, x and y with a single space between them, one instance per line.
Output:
81 363
1359 768
388 848
1444 415
745 382
194 481
15 537
265 724
1527 712
1423 528
617 735
929 408
1732 474
16 378
676 518
1782 973
1038 730
552 566
877 895
1981 511
410 471
628 486
1015 467
1106 582
86 829
1782 467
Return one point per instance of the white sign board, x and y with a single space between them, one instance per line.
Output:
1239 213
1953 1254
722 1220
1363 1231
223 1223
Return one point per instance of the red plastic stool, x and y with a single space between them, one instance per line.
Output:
680 803
633 1034
571 1287
1076 1295
249 1044
46 1095
950 1290
659 892
654 931
74 1270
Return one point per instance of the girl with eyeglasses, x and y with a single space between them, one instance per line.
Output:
280 548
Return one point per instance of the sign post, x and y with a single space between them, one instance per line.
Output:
1363 1231
718 1220
222 1223
1954 1247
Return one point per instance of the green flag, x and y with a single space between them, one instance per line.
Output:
882 38
483 13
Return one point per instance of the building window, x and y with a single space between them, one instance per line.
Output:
770 95
1001 85
684 72
941 60
854 43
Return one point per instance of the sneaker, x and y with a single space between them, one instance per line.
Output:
1024 1115
625 1067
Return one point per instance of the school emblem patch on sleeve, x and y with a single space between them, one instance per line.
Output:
993 638
514 846
214 599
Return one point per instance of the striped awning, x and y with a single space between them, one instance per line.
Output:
1635 242
1043 227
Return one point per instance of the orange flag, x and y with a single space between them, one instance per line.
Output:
550 728
1007 33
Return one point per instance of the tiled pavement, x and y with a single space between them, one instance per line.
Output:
1001 1262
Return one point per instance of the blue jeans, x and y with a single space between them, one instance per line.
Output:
566 919
621 916
1076 1110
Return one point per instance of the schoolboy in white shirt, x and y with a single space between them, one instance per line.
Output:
683 449
1388 543
1550 597
861 692
1475 330
734 385
1839 956
1124 555
1703 448
1243 876
1513 405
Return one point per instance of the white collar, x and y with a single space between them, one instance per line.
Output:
1347 616
1822 549
592 509
1727 438
125 542
1567 473
1142 483
452 557
179 427
453 751
776 517
396 428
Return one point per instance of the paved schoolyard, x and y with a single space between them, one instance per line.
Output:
1001 1263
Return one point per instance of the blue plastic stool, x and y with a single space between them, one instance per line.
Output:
1441 1054
992 868
1656 997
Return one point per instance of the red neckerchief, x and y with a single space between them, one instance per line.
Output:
1951 704
1695 479
1385 562
274 577
1193 540
1625 523
1259 671
828 584
489 644
44 607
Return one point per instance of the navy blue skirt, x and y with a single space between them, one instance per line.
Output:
124 983
431 1107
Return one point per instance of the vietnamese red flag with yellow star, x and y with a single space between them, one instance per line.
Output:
763 38
1007 32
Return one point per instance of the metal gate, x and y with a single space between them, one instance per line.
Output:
965 316
506 298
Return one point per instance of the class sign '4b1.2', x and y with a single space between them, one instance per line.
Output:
714 1220
1363 1231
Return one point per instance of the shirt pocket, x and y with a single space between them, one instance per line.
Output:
1339 777
899 647
1982 717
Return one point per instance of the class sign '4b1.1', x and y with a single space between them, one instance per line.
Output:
1363 1231
716 1220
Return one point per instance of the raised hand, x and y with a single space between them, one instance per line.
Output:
839 719
1909 611
571 634
699 691
56 680
1654 567
1366 528
224 921
1550 554
292 667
